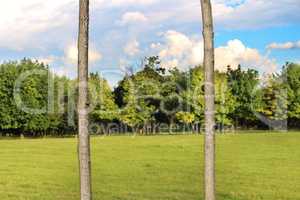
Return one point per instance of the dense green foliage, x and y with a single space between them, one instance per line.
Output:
291 82
36 102
22 109
249 167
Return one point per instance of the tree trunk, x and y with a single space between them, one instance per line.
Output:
208 35
83 122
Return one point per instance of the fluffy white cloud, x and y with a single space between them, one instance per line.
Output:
247 14
235 53
132 48
67 64
71 55
179 50
27 23
230 2
105 3
36 27
176 44
48 60
230 14
133 17
20 21
64 71
286 45
135 2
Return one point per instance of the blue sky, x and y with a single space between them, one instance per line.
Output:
259 34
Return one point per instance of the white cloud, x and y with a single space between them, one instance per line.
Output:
132 48
229 2
71 55
27 23
20 21
64 71
181 51
229 14
176 44
155 45
286 45
235 53
247 14
45 27
118 3
48 60
135 2
169 64
66 65
133 17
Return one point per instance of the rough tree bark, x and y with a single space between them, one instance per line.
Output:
83 122
208 35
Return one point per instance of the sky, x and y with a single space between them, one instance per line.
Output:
259 34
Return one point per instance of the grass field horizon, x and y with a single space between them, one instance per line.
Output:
260 166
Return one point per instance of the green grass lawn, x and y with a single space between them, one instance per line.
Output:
249 167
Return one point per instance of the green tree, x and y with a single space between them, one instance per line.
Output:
290 79
24 98
104 109
225 101
244 86
138 95
137 112
186 118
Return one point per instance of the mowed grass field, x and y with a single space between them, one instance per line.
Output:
249 167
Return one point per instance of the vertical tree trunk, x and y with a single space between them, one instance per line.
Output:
83 122
208 35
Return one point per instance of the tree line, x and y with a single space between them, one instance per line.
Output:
36 102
